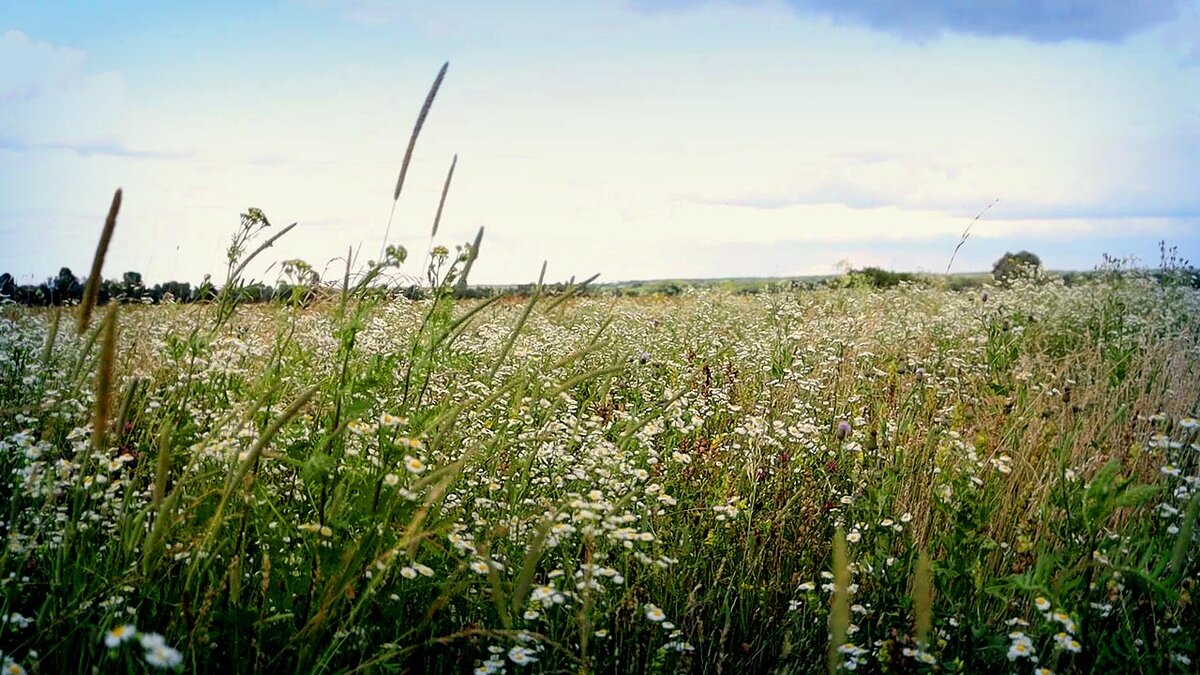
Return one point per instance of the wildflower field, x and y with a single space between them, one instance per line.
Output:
910 480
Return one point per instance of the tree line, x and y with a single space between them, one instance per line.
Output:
65 288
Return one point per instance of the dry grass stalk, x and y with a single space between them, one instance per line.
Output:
265 245
412 140
91 292
839 612
923 599
104 379
437 219
967 233
51 336
471 256
412 143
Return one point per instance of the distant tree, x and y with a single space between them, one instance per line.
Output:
64 287
109 289
672 288
413 292
1013 265
876 277
33 295
179 291
132 287
8 288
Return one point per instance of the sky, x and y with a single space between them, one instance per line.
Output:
637 139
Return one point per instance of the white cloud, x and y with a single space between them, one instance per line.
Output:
29 67
52 99
600 139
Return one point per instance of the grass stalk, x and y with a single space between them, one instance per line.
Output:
51 337
91 290
104 380
839 611
922 585
408 152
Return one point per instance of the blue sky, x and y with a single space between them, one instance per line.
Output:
634 138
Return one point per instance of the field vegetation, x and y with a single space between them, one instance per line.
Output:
891 477
1000 480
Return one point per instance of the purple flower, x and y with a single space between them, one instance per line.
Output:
843 430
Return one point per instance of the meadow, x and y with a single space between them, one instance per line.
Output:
923 478
907 480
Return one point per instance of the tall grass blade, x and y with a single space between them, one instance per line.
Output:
572 290
412 140
967 233
412 143
512 336
437 219
235 478
51 337
162 467
104 380
471 256
1183 540
91 291
839 612
131 393
529 567
923 600
265 245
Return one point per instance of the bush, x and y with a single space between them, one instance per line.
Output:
1014 265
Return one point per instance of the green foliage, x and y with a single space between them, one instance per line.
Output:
293 477
1016 265
875 277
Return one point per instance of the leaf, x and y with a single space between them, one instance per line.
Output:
317 467
1136 495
